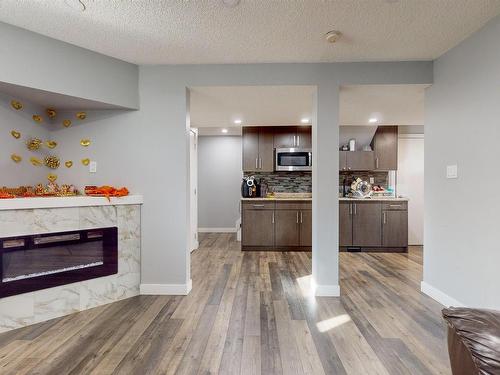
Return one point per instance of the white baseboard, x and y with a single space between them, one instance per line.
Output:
166 289
326 290
439 296
217 230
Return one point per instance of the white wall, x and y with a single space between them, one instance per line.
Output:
219 176
36 61
461 246
410 183
148 150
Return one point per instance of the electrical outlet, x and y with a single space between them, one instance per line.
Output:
93 167
452 171
372 180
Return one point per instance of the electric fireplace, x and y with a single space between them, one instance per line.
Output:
34 262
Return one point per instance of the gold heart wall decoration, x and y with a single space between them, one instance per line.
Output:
81 115
16 105
36 162
85 142
51 113
16 158
52 177
66 123
37 118
86 161
15 134
68 164
51 144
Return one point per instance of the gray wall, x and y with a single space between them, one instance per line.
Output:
148 150
33 60
461 245
219 179
23 173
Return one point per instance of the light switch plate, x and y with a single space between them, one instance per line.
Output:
372 180
451 171
93 167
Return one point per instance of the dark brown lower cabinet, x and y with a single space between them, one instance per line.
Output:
269 225
257 227
395 228
373 226
367 224
345 224
287 228
306 228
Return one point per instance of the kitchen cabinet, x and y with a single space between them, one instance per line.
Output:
287 228
395 228
345 224
292 137
356 160
258 153
366 224
269 225
257 226
306 228
385 147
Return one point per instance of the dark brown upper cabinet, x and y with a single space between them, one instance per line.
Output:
356 160
292 137
385 147
258 153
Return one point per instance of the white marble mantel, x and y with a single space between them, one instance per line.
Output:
27 216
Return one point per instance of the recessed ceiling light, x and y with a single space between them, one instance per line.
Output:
224 130
237 121
373 120
333 36
305 120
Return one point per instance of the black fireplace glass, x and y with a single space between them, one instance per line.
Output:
35 262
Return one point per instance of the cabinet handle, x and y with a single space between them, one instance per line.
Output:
256 163
297 217
298 141
355 209
301 221
384 218
350 209
260 163
258 205
376 163
294 141
273 218
395 205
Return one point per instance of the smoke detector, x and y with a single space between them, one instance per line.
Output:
333 36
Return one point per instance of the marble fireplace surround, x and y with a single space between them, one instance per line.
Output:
76 213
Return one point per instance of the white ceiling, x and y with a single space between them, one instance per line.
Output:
196 32
214 108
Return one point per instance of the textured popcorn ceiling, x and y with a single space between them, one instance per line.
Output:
205 31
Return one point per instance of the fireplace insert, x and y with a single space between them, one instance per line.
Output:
40 261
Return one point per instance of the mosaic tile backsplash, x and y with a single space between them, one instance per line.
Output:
381 178
286 182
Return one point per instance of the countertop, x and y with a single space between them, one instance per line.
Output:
277 199
378 199
60 202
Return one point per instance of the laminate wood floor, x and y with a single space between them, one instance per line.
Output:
248 314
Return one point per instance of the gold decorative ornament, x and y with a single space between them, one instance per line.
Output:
81 115
66 123
34 144
36 162
51 144
16 158
68 164
52 162
15 134
85 142
52 177
16 105
86 161
37 118
51 113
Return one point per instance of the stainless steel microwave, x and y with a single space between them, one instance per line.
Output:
293 159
